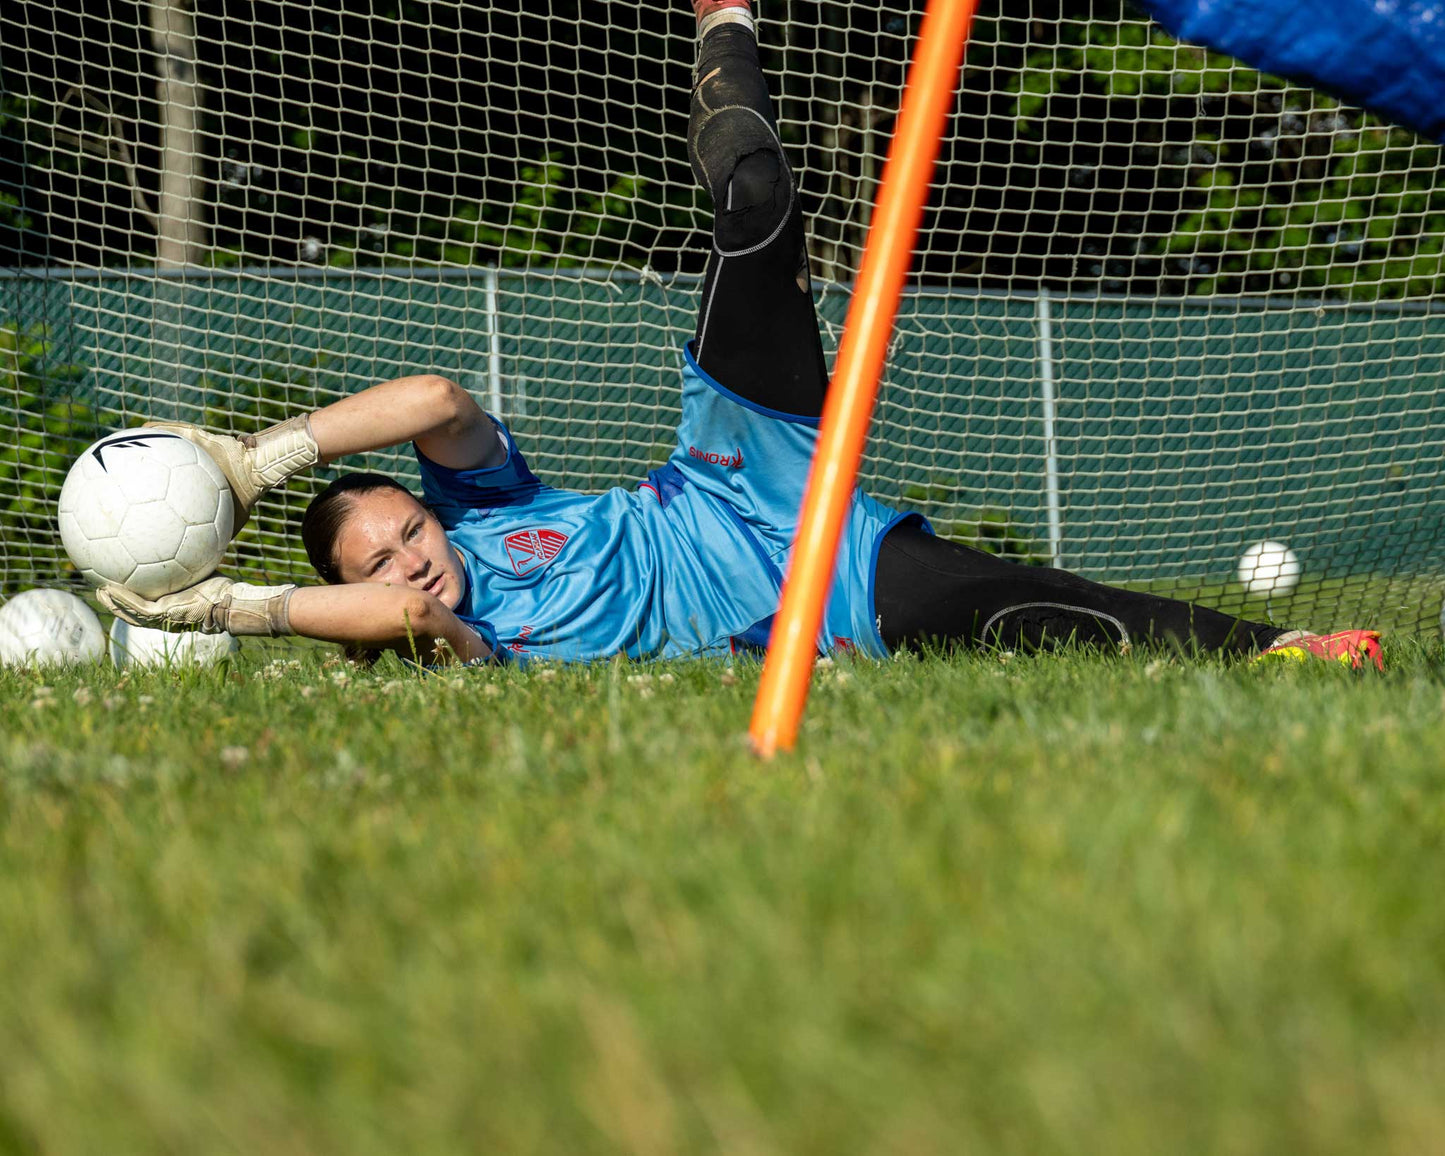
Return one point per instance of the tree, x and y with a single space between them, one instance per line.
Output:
1272 188
1089 152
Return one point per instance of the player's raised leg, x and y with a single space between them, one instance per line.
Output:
757 333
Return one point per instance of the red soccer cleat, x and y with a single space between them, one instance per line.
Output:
1348 647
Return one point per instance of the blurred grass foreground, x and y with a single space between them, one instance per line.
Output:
997 904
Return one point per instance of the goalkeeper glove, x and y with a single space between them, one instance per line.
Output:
257 462
213 605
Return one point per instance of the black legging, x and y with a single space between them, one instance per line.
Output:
930 591
757 333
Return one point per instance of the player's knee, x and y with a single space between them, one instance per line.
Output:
742 164
755 201
761 184
1044 625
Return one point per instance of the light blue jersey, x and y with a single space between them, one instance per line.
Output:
689 563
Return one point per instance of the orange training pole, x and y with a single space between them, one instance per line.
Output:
849 408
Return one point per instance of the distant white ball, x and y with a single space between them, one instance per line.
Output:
146 509
144 646
44 627
1269 568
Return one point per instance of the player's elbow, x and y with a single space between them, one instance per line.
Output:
451 408
420 614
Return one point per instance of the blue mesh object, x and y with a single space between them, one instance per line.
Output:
1387 55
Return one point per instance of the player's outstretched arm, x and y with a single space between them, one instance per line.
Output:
372 614
385 617
433 411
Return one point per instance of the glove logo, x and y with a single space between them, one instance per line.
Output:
130 441
533 550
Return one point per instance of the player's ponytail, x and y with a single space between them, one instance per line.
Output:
327 514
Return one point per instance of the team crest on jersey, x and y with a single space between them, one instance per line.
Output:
533 550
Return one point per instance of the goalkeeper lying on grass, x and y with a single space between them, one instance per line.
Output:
492 563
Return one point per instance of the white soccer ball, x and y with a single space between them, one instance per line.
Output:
146 509
144 646
42 627
1269 568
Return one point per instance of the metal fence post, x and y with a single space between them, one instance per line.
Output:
494 345
1047 371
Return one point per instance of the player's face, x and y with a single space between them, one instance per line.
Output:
391 537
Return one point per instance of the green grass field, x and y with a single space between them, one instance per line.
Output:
1059 904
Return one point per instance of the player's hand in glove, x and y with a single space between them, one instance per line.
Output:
213 605
255 463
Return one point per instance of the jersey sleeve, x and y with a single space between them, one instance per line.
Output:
452 493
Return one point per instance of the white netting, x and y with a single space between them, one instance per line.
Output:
1165 307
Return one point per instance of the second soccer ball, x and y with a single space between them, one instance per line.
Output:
145 646
43 627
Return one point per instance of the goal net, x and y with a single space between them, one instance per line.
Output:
1165 307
